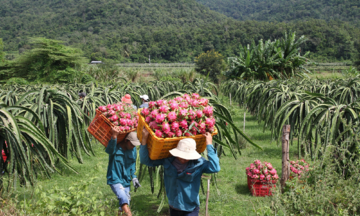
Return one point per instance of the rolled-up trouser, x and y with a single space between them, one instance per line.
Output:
122 193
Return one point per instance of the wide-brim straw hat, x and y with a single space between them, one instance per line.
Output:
186 149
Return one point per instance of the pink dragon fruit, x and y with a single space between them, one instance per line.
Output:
178 99
172 116
202 131
272 172
174 106
208 111
122 115
195 96
121 128
191 115
269 166
183 113
128 115
160 118
153 125
178 133
183 124
202 126
252 166
262 177
256 171
152 104
194 103
114 118
199 114
170 134
184 105
148 119
111 112
158 133
116 123
187 134
268 177
175 126
123 122
203 102
110 107
209 122
145 112
265 171
102 108
164 109
257 162
165 127
159 103
276 177
127 128
154 113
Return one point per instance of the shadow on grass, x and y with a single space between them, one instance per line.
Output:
242 189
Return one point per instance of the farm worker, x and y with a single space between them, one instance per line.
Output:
121 168
127 99
182 173
82 95
145 100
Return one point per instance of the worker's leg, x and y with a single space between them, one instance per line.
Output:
123 195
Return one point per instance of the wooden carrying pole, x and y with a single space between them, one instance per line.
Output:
207 194
285 156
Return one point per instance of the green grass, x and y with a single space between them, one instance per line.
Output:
231 198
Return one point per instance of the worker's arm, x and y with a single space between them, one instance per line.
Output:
212 165
111 147
144 153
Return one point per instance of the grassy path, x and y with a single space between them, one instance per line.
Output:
232 197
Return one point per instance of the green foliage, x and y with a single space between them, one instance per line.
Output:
272 59
168 31
320 112
210 63
47 61
75 200
1 51
278 10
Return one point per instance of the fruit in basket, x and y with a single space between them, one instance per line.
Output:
182 116
122 115
261 171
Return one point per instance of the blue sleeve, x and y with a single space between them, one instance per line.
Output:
144 157
212 165
111 147
133 166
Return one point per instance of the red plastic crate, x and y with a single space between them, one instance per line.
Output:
261 187
100 128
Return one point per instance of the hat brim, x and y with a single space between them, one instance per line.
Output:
185 155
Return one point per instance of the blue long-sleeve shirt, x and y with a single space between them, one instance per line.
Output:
122 164
182 189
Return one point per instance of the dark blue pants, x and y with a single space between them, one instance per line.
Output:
174 212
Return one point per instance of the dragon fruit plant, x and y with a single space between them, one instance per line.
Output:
298 167
122 115
262 171
182 116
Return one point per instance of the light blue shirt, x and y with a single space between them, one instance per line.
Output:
182 189
144 105
122 164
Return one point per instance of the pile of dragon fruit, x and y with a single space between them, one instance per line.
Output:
122 115
188 115
298 167
262 171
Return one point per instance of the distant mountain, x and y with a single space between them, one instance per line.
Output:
167 30
287 10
